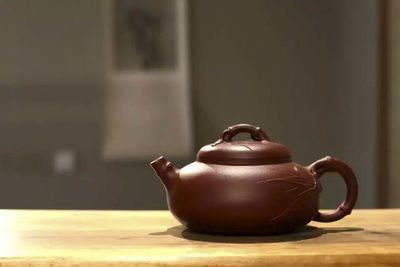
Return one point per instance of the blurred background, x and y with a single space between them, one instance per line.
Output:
92 91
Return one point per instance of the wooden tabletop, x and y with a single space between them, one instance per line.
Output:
136 238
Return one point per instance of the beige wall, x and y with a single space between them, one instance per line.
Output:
393 35
304 71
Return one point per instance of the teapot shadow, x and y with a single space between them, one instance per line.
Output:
304 233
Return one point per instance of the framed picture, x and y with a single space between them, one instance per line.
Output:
147 98
144 35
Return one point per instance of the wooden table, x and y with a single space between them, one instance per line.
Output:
133 238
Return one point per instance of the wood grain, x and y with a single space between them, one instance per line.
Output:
147 238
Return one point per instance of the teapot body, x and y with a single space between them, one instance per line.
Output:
250 187
257 199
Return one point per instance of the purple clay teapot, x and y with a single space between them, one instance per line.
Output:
250 187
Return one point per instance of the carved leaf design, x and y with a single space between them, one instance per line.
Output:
298 182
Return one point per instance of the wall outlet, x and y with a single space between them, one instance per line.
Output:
64 162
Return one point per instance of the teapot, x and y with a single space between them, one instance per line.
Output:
250 187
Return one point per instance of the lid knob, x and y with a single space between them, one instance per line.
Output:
255 132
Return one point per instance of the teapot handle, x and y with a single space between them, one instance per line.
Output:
329 164
256 133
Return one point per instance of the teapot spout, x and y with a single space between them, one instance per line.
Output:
164 169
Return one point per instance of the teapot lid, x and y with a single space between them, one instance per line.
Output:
258 151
